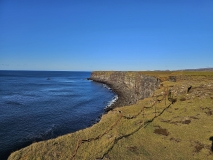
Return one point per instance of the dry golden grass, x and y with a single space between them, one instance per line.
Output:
151 129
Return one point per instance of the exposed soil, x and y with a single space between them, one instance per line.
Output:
187 121
132 148
198 146
161 131
209 113
182 99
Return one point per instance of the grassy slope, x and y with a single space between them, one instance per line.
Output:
157 131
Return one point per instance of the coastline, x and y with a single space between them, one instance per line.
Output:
124 96
128 86
115 102
121 134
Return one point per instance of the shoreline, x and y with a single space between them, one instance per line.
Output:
120 133
128 86
125 94
118 96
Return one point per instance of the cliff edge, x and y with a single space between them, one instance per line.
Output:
129 86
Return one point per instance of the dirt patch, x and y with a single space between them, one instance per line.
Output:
182 99
161 131
198 146
186 120
175 122
207 110
166 121
132 149
209 113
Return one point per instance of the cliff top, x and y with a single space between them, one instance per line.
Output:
161 74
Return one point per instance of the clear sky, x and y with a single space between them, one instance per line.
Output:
106 34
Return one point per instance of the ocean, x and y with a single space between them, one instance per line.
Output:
40 105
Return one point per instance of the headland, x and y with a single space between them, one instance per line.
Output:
158 115
129 86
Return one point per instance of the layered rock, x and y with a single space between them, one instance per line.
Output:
129 86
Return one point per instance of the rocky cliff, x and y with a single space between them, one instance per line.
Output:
129 86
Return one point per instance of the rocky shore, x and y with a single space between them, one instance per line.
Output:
129 86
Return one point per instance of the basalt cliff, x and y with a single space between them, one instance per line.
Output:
129 86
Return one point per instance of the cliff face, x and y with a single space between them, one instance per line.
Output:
129 86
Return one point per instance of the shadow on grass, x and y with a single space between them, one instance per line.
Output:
211 139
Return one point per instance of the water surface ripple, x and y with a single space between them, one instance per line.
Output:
39 105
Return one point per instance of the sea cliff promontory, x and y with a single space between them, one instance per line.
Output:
129 86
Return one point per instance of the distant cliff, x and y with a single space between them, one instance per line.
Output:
129 86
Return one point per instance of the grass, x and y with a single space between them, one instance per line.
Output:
134 132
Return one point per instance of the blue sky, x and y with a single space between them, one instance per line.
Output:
106 34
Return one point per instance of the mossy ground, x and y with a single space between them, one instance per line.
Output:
154 128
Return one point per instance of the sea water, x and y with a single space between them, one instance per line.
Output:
40 105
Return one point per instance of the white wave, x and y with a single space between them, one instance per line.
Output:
115 98
107 87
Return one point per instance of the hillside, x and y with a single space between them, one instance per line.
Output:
172 121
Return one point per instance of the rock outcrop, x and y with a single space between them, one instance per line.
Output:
129 86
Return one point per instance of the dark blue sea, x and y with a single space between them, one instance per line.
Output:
40 105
